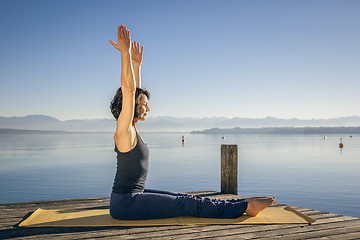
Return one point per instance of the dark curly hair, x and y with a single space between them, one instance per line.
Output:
116 103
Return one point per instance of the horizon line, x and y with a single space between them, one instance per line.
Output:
167 116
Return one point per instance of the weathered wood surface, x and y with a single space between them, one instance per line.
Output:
229 169
327 226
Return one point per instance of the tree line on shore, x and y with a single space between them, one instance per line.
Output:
282 130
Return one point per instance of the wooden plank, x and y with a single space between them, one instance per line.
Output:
343 236
219 231
304 232
236 233
325 233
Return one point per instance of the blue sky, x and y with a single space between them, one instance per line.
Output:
202 58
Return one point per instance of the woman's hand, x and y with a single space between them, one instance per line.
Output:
136 55
124 42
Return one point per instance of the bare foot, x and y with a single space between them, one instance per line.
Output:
257 204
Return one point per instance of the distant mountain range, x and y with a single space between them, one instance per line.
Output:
168 124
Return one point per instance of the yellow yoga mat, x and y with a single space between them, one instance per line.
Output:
101 217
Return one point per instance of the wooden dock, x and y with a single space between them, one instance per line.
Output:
327 226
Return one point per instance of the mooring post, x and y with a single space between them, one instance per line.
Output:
229 166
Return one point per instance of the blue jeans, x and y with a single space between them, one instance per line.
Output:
154 204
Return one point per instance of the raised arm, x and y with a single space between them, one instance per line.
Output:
136 58
128 87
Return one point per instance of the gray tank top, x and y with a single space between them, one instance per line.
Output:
132 168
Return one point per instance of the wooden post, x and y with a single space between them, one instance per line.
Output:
229 166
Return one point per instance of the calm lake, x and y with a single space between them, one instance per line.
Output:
300 170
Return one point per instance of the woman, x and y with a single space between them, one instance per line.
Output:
129 199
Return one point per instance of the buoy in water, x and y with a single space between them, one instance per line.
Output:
183 139
341 145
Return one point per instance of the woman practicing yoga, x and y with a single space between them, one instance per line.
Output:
129 198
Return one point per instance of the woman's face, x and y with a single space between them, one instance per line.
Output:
142 108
